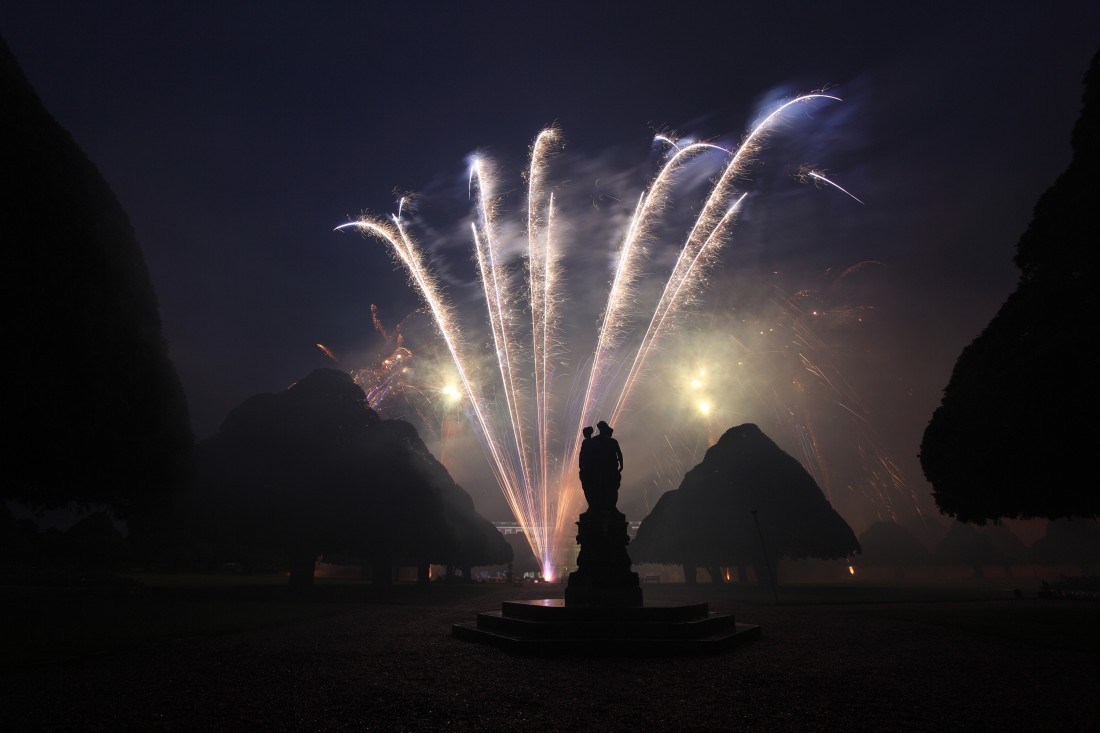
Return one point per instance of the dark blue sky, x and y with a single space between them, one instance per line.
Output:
237 135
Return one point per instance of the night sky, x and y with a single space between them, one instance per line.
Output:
238 135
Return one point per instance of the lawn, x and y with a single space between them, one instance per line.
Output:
48 624
1068 625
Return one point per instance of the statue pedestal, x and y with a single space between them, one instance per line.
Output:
603 576
602 611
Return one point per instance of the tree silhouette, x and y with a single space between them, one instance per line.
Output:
1008 544
95 543
747 501
1070 542
313 471
888 544
523 557
966 545
95 410
1008 439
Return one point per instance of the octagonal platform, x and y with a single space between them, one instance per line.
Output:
549 626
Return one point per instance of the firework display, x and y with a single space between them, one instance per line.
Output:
529 393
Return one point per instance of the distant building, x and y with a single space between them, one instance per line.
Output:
566 552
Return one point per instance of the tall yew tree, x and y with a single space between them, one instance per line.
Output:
1013 436
94 410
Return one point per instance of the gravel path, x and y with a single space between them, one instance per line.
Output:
396 667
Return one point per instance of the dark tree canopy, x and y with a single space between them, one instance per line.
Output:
709 520
95 411
1009 439
313 470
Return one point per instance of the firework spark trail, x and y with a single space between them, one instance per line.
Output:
813 375
409 255
542 297
376 381
499 297
381 386
681 275
521 483
549 354
633 249
613 319
706 224
870 452
834 184
517 488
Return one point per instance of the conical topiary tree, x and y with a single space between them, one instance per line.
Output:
312 470
747 503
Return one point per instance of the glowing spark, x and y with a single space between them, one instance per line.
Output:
328 352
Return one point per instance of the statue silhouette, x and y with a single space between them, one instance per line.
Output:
603 576
601 465
584 463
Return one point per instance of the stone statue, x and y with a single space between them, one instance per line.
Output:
584 463
603 576
601 467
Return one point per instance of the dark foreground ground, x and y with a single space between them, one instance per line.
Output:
352 659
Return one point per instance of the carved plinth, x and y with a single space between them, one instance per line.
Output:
603 576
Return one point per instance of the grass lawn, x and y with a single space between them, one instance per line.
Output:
46 624
1055 624
983 606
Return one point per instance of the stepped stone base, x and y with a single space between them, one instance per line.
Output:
603 610
551 626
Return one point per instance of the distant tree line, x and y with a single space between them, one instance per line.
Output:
1070 543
